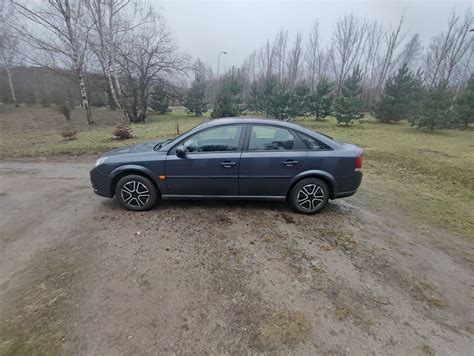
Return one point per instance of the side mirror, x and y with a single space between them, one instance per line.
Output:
180 151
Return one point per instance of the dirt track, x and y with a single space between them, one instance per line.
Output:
80 275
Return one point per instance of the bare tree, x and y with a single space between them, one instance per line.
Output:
103 14
250 66
392 42
279 49
410 55
449 50
266 59
8 44
295 61
110 22
375 35
148 57
313 55
348 40
56 28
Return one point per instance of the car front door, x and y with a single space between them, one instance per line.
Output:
272 156
210 165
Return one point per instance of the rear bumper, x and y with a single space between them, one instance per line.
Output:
101 183
350 186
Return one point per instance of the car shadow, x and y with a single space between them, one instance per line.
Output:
331 209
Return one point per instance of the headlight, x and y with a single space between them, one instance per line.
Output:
100 161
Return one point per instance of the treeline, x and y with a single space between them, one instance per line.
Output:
363 68
121 53
126 45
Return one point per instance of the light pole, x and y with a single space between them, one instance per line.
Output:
218 64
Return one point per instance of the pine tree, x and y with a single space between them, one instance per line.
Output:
228 100
225 105
464 105
320 100
348 106
195 100
399 97
436 109
298 104
278 103
254 102
269 87
160 103
275 99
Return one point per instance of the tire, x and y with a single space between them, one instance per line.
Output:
136 193
309 195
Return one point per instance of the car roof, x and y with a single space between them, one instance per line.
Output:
252 120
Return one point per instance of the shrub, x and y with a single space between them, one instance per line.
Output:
122 131
65 108
68 133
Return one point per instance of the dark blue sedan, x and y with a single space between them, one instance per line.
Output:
233 158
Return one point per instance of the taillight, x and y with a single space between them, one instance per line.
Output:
359 160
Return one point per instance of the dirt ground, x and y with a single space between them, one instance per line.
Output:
80 275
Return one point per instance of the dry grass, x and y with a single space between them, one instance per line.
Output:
36 132
283 328
343 312
426 293
429 175
427 350
35 321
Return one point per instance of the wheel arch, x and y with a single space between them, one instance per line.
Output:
123 171
324 176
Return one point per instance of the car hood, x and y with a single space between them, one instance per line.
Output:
137 148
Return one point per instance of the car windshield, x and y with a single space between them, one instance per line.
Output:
158 146
161 144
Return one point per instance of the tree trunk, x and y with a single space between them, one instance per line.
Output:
84 99
118 92
113 93
12 89
77 63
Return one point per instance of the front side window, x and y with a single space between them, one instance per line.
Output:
270 138
216 139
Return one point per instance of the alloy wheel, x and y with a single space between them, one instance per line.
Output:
310 196
135 194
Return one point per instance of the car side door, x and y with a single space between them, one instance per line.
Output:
272 156
210 165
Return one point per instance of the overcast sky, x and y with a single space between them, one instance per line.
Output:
203 28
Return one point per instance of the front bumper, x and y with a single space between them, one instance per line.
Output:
101 183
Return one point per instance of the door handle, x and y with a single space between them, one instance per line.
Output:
228 164
290 163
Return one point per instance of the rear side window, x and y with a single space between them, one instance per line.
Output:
312 143
270 138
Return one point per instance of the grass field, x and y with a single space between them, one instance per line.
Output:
429 175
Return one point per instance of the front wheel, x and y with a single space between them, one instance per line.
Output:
309 195
136 193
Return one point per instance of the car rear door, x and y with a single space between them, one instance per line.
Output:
211 164
272 156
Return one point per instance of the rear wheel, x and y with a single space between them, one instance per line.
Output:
309 195
136 192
